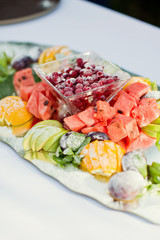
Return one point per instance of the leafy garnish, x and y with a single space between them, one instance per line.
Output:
68 156
5 66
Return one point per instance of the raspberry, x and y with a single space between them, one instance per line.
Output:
80 62
79 80
73 73
69 82
86 88
79 90
79 85
68 93
95 85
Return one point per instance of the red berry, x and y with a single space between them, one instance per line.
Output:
78 90
73 73
100 74
95 85
86 88
68 89
69 82
79 80
68 93
79 85
87 73
80 62
86 83
110 80
65 75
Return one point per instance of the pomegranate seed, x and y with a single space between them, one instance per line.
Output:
79 90
79 85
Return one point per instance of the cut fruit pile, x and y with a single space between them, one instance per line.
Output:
122 119
40 100
14 114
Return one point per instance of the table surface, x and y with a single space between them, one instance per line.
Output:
35 206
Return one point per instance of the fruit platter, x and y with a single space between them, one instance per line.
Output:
84 121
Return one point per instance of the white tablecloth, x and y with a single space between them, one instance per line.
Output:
35 206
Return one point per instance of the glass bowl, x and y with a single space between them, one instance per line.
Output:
78 102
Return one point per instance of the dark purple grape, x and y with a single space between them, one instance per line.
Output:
97 136
22 63
63 140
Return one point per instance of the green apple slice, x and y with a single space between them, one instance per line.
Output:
149 133
157 121
35 135
27 137
44 137
152 127
28 156
34 155
54 147
53 123
52 140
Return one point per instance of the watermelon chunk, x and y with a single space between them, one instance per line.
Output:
146 112
104 112
74 123
116 130
142 141
87 130
23 78
130 125
138 89
87 116
32 104
26 91
99 127
45 107
125 103
122 144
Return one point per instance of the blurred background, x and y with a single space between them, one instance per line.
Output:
20 10
148 11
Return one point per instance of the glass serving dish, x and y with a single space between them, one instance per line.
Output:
78 102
